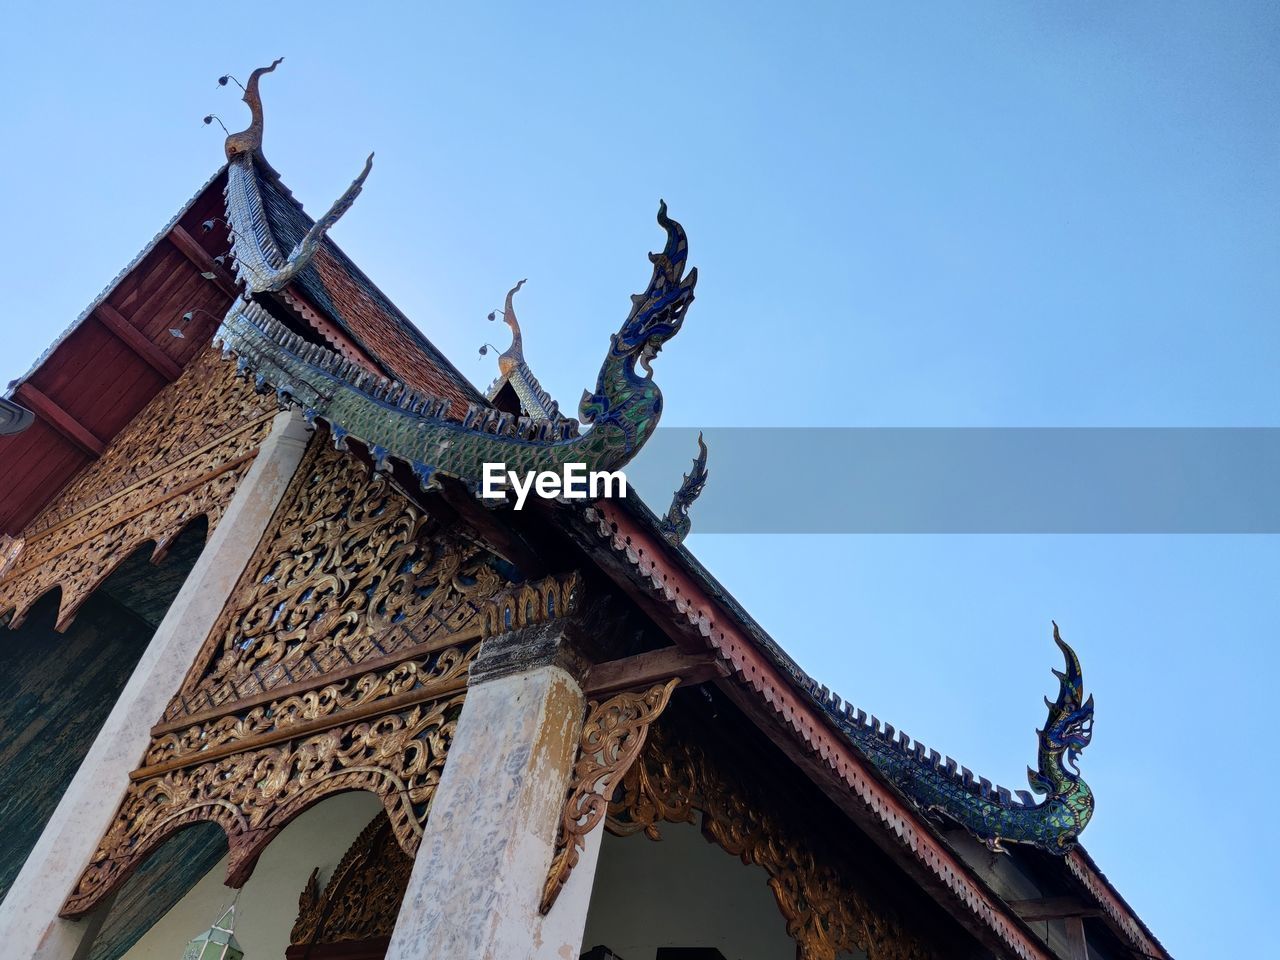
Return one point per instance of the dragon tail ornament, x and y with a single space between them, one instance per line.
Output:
994 814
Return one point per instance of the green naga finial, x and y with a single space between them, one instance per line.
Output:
395 423
994 814
675 526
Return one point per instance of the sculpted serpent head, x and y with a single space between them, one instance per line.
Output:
658 313
1069 726
623 398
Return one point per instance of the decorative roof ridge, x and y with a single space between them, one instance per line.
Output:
694 594
379 299
675 576
397 423
1003 815
993 813
260 263
1114 905
114 282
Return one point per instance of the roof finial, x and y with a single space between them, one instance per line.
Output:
249 140
675 525
513 356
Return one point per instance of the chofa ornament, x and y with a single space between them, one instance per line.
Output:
396 423
675 526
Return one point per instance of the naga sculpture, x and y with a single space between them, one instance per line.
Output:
675 525
995 815
622 412
394 422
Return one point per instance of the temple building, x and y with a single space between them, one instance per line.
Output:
279 683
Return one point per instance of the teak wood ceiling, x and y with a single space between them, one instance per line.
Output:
105 369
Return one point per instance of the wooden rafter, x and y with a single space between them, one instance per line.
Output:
650 667
64 423
203 260
136 340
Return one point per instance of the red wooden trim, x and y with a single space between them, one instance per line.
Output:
190 248
68 426
137 341
340 341
1121 917
774 695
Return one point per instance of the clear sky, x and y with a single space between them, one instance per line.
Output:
970 215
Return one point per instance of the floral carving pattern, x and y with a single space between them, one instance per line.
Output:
339 662
179 459
362 898
827 913
350 572
252 795
612 736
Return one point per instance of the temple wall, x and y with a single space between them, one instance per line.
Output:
339 661
55 691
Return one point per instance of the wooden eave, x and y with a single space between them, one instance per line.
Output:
664 582
117 355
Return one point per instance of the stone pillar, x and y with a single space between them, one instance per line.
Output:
29 921
477 881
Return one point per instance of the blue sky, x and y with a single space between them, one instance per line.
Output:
1001 214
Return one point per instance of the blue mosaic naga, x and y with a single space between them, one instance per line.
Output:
994 814
420 430
394 422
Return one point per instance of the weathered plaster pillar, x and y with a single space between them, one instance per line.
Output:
29 922
477 882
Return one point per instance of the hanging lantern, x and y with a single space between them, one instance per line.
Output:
218 942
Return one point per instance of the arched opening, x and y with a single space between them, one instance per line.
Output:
682 893
56 689
268 904
162 880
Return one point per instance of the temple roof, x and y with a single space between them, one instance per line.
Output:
355 317
344 295
118 350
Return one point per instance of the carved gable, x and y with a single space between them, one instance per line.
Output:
180 458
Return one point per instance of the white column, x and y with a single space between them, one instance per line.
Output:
30 927
477 881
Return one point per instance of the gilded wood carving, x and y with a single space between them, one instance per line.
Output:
613 734
340 662
362 897
180 458
351 571
826 911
